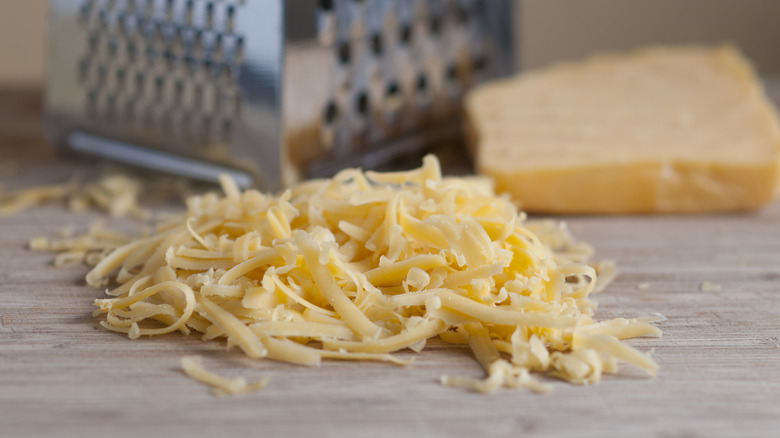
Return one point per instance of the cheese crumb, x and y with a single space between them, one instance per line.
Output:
707 286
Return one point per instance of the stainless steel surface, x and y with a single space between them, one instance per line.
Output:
279 90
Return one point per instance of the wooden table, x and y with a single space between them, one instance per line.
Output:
62 375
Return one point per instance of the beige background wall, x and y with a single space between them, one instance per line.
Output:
22 36
559 29
550 30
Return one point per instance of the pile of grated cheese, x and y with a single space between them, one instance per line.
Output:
364 265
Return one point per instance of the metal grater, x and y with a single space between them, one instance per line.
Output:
271 91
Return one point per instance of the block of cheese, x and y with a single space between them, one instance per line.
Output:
662 129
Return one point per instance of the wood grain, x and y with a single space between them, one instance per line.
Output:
61 375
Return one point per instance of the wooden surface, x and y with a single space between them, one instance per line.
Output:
62 375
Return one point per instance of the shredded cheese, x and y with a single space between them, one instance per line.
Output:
114 194
193 367
708 286
365 265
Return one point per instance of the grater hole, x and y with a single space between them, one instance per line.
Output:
111 105
479 7
451 73
218 46
205 126
94 40
210 15
191 63
165 122
376 44
238 51
113 45
103 20
462 15
129 110
344 53
362 104
151 56
92 98
178 89
198 95
140 79
393 96
406 34
84 69
451 76
230 17
331 114
189 12
178 35
198 40
236 107
121 74
149 9
85 11
479 64
227 75
208 65
421 85
159 85
225 129
435 25
102 73
169 57
122 22
326 5
131 50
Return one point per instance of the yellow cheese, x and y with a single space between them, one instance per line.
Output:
365 265
658 130
114 194
220 385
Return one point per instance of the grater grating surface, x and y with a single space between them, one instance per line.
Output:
271 90
168 67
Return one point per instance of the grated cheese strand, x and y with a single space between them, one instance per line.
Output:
228 323
326 283
193 367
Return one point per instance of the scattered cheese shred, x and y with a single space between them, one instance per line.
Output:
113 194
193 367
23 199
708 286
367 264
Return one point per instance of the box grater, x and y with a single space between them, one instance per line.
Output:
271 91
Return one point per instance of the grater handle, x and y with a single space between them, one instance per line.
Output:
154 160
